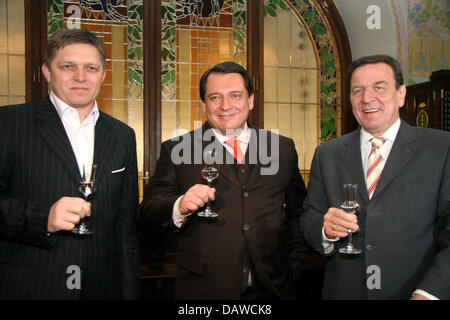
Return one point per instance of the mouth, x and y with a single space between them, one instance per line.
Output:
372 110
79 89
226 116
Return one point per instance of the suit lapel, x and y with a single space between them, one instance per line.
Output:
351 157
225 170
53 133
404 148
104 144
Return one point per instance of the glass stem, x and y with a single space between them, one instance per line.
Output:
350 244
209 202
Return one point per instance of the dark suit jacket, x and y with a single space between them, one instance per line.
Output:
404 228
258 217
37 168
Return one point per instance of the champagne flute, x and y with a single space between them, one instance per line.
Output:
350 206
210 173
87 188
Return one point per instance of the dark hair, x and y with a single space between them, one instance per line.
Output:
65 37
379 58
226 67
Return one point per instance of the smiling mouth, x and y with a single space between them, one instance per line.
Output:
226 116
372 110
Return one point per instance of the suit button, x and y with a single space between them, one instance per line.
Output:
369 247
246 194
242 170
246 227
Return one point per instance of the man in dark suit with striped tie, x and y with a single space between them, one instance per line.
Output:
403 179
46 148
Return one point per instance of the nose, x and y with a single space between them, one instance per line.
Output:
79 75
368 95
226 103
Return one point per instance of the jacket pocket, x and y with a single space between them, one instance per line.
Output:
190 262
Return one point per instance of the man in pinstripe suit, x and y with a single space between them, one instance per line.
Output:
44 148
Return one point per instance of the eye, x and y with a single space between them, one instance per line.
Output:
92 68
67 67
357 91
215 98
236 96
379 88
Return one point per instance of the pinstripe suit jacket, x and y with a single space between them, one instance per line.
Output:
37 168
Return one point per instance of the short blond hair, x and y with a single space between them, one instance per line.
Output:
65 37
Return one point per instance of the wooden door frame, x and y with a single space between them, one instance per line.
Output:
255 58
152 85
35 44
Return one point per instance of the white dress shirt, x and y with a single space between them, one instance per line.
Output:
81 134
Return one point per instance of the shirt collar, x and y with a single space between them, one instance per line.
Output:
390 134
62 107
243 137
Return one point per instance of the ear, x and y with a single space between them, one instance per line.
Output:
204 106
401 95
46 72
104 76
251 101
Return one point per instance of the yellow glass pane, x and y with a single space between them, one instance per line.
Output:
284 86
16 100
3 28
4 75
17 75
3 101
16 27
270 42
270 84
283 39
184 38
270 116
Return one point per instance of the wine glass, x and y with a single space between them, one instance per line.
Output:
87 188
210 173
350 206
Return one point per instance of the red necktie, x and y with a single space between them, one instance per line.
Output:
237 153
375 165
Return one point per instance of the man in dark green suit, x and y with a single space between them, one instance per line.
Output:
403 225
45 149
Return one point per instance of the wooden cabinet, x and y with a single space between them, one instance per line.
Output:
428 104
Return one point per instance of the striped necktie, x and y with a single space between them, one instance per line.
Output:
375 165
237 153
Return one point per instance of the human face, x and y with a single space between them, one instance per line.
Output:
227 103
375 99
76 75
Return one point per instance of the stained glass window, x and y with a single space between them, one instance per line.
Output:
300 82
196 35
